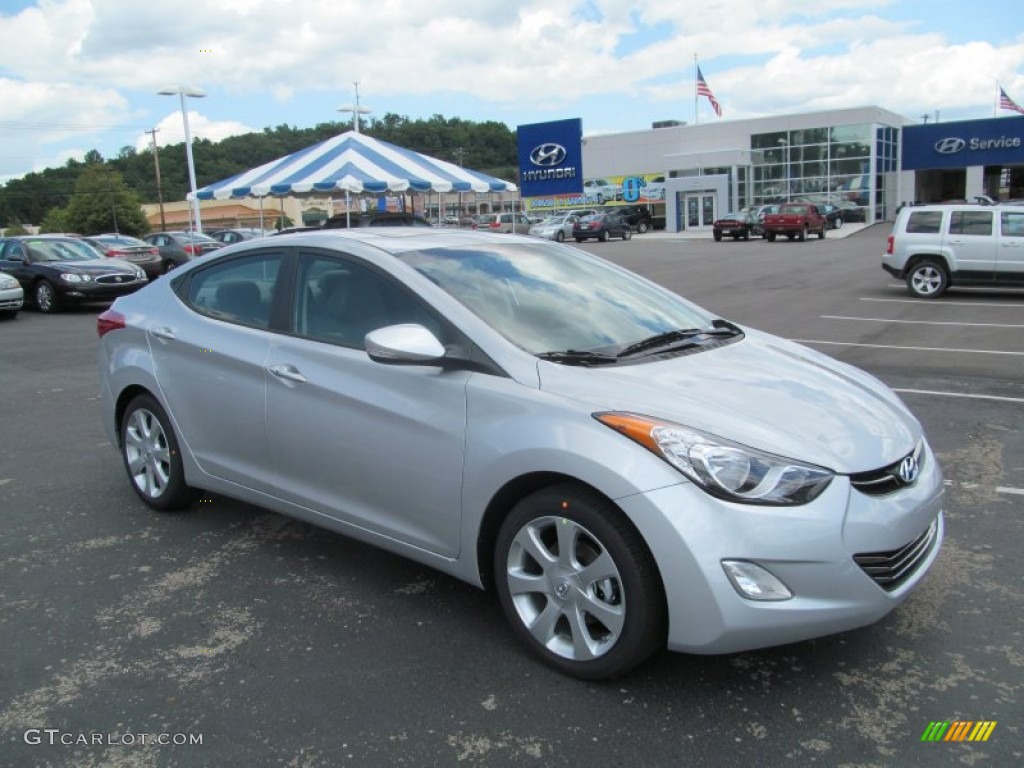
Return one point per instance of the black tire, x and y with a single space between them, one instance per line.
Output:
746 236
45 297
770 236
838 223
603 237
802 235
642 227
559 236
169 266
927 279
579 239
821 232
717 236
149 449
627 234
629 596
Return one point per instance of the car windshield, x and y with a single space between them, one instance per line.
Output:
61 250
544 297
795 208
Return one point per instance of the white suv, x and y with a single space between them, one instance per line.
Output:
935 246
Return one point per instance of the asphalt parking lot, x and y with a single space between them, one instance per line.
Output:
278 644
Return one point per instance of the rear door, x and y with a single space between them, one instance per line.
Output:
1010 258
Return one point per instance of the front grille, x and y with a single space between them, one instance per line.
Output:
115 279
878 482
891 569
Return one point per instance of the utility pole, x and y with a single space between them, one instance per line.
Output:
159 187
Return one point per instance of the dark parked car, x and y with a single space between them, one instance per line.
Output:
177 248
230 236
54 271
637 216
834 215
601 226
131 249
738 226
376 219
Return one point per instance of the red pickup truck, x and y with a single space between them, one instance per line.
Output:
795 220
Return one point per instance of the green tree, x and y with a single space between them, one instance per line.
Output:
15 228
54 221
103 203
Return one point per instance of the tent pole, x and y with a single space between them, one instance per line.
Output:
261 216
348 210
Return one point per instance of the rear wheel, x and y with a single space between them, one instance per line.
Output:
838 223
770 236
642 228
577 583
149 448
604 236
717 235
927 279
821 232
579 239
802 234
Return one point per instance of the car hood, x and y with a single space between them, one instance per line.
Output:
105 267
763 392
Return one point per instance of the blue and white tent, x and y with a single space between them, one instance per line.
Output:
356 163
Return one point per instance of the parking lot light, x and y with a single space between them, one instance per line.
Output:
196 93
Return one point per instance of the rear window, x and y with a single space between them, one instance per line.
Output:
970 223
924 222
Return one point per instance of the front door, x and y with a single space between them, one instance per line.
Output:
376 446
699 210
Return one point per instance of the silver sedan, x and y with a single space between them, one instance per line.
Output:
624 469
558 227
12 296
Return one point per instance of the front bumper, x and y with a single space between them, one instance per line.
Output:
11 299
93 291
810 548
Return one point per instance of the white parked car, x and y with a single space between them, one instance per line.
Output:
12 296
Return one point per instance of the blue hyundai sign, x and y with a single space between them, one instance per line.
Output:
995 141
551 158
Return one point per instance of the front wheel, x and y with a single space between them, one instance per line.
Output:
642 228
821 232
838 224
577 583
717 236
927 279
149 448
771 237
627 234
604 236
46 297
559 236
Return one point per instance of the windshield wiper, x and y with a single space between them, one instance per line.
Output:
719 327
578 357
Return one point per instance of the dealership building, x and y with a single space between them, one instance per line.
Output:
867 161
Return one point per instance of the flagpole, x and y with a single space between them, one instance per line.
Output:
995 107
696 116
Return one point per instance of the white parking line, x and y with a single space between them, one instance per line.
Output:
921 322
911 349
930 302
999 488
999 398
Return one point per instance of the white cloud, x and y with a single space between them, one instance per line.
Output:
171 130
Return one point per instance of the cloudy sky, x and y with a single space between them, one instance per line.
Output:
82 74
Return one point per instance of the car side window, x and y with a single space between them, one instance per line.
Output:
14 250
236 291
340 301
970 223
924 222
1012 223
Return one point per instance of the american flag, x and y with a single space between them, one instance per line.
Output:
703 90
1005 102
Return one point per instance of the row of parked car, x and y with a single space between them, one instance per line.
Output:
750 222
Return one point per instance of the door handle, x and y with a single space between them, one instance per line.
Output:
289 372
163 332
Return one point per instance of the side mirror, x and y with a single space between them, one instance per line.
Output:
407 344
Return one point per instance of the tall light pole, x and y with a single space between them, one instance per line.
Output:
355 109
195 93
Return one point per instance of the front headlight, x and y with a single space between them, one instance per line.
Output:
7 282
74 277
721 467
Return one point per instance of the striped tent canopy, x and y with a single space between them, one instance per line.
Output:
357 163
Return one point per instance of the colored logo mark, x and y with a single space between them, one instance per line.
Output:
959 730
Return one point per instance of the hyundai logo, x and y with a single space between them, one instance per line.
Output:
908 470
950 145
547 154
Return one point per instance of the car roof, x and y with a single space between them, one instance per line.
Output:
395 240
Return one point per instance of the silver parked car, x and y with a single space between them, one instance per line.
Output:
626 470
12 296
554 227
